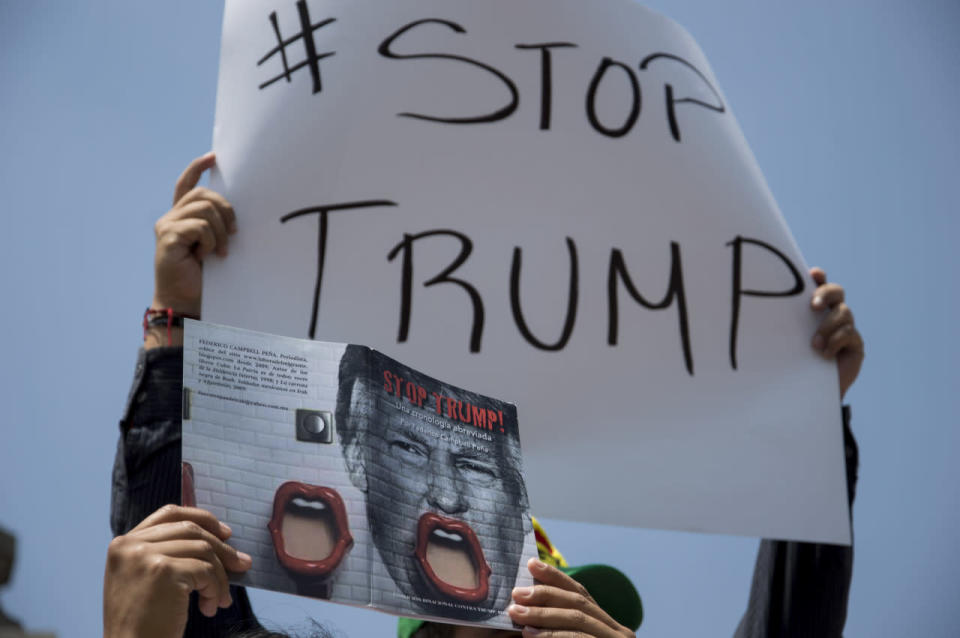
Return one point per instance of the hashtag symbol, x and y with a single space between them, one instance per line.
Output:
312 59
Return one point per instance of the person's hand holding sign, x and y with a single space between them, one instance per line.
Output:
560 607
152 569
836 336
198 225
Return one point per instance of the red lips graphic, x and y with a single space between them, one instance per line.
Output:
320 498
432 528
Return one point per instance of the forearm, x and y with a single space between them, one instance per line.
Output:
799 589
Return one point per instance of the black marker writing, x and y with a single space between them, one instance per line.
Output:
668 91
618 272
739 291
385 50
631 119
312 58
323 212
571 300
546 77
406 299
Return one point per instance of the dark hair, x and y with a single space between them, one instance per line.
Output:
354 367
261 632
435 630
318 631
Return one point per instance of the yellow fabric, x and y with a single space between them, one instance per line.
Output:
548 553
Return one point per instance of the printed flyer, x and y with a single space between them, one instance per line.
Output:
351 477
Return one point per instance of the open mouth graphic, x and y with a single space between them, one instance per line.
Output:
309 529
451 558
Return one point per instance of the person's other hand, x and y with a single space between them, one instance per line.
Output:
197 225
836 336
152 569
560 607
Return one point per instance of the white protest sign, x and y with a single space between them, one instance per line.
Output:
548 201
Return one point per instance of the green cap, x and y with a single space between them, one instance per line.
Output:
610 587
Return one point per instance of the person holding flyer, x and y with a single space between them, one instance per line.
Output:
166 570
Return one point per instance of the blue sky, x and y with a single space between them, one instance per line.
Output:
850 109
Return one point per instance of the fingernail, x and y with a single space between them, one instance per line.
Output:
245 557
208 607
818 341
208 155
517 609
523 592
818 302
531 631
539 564
225 529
